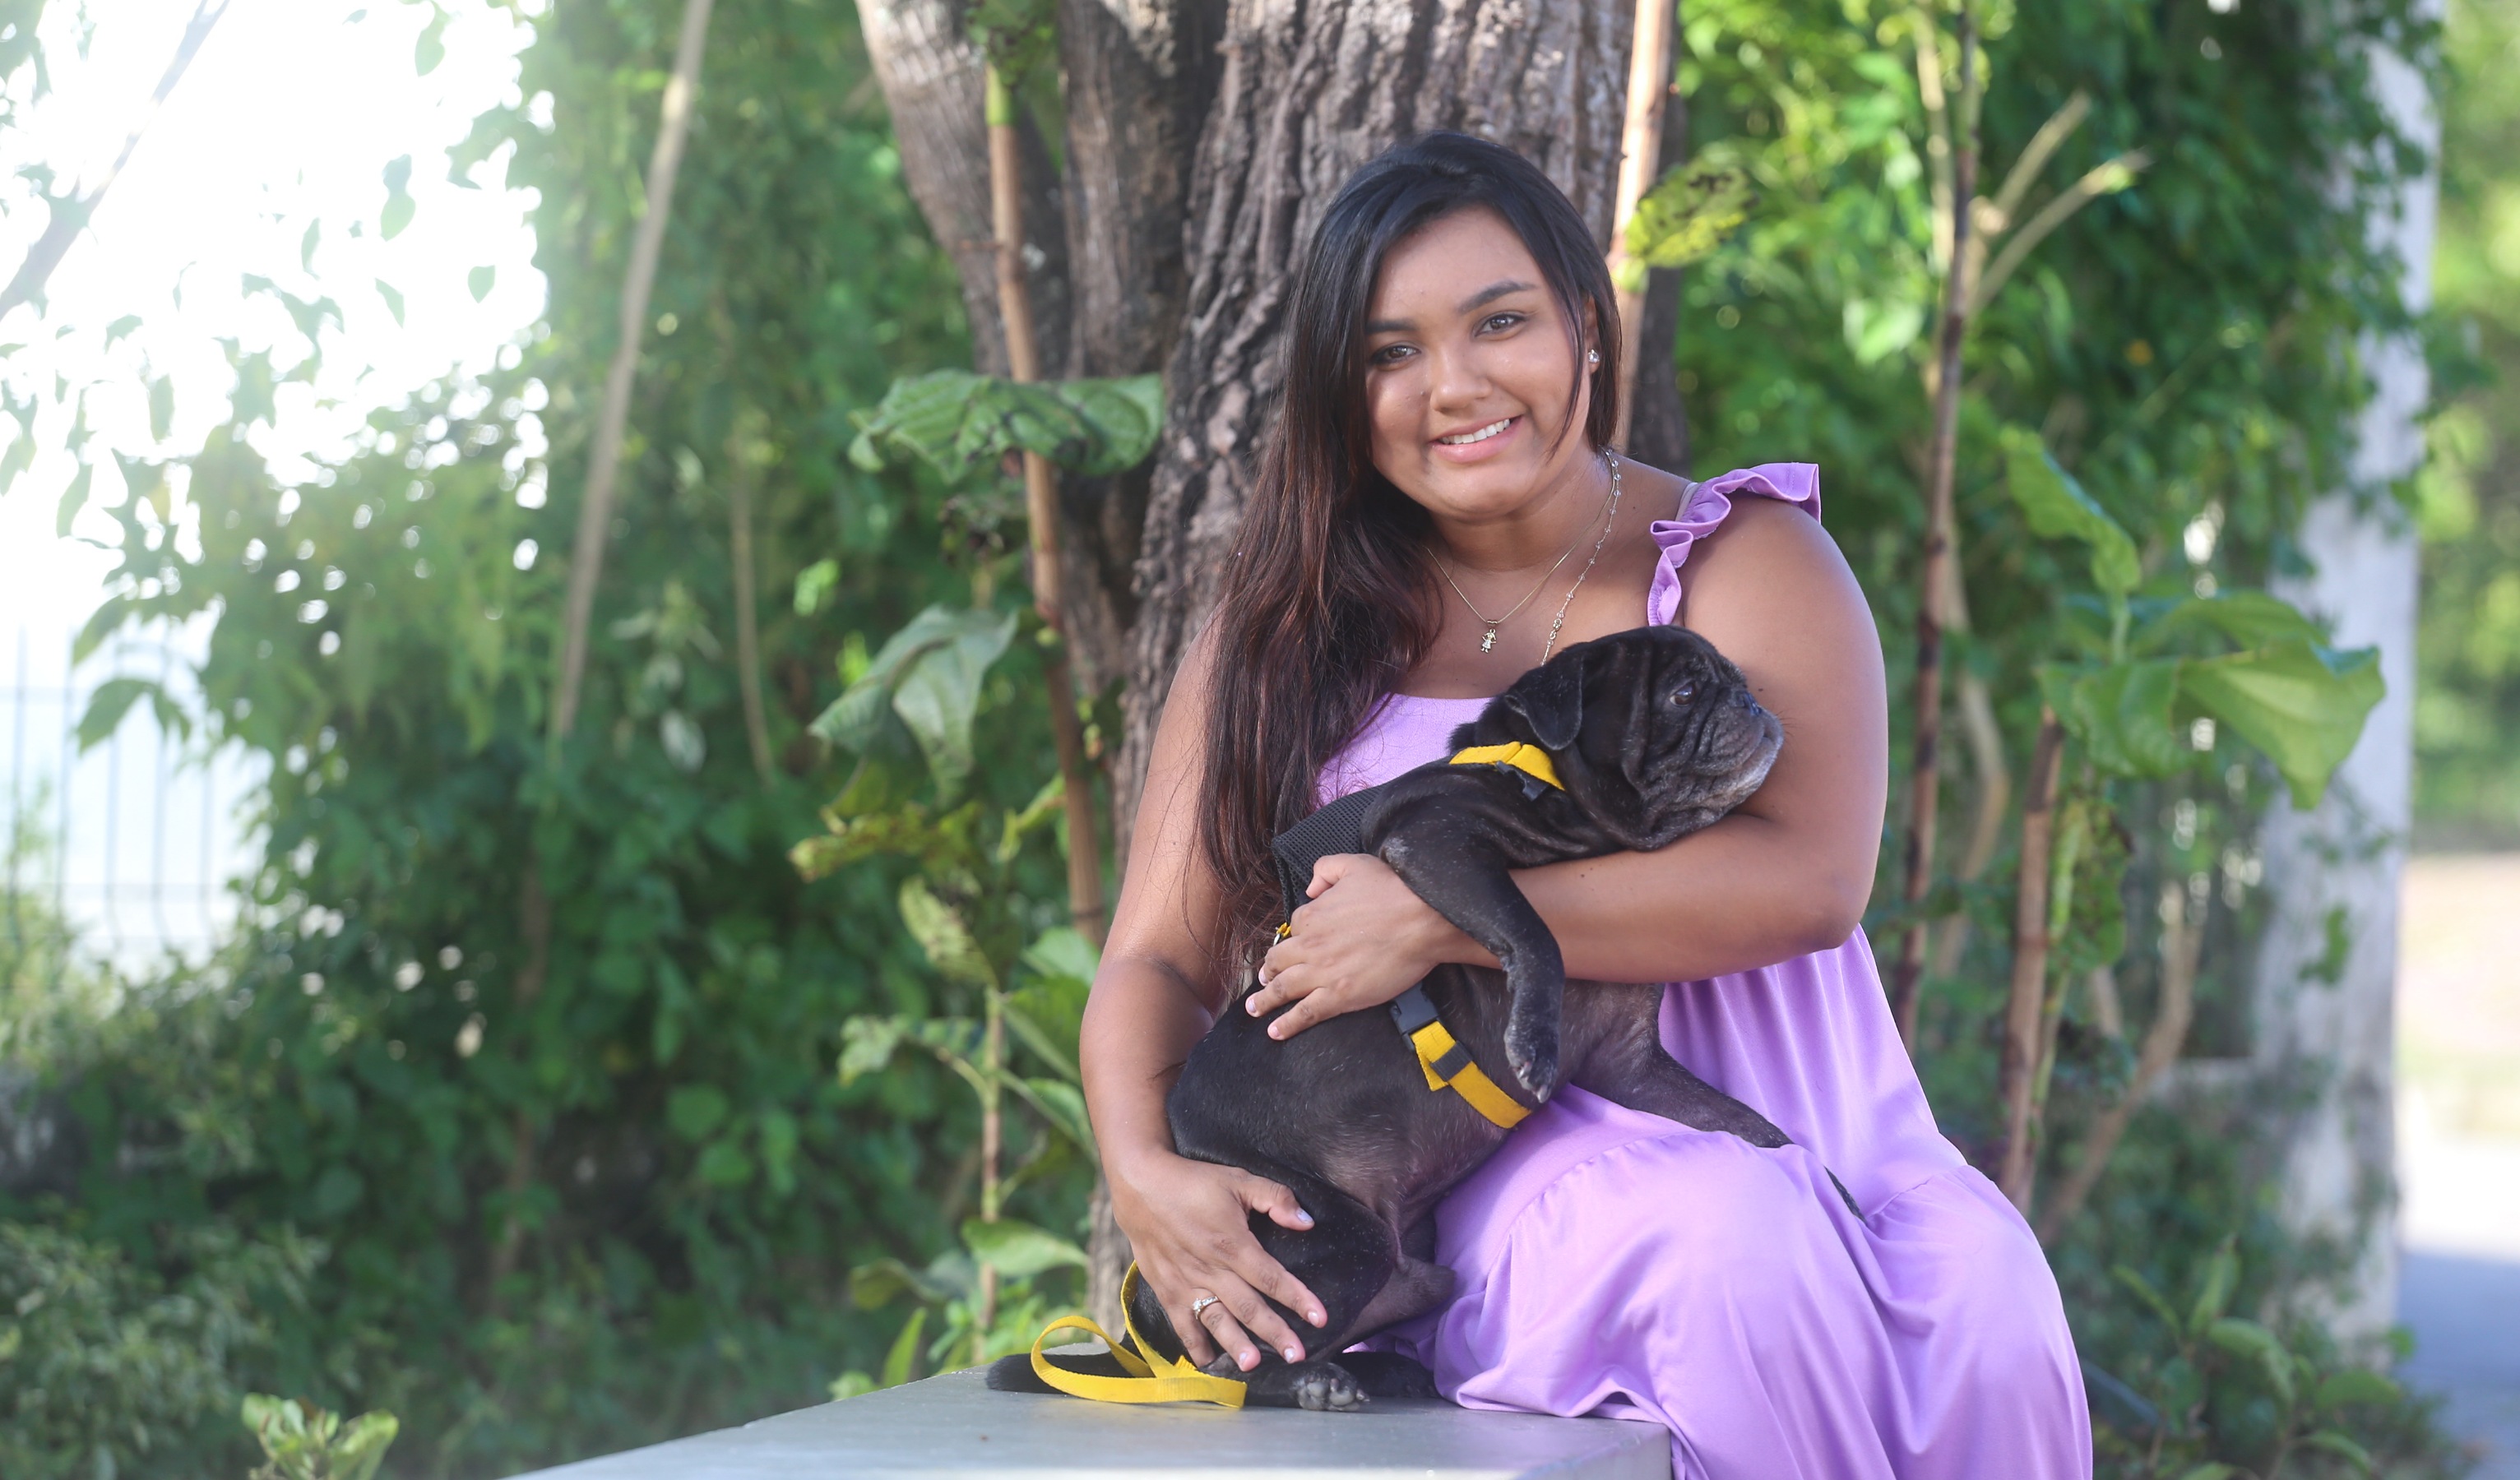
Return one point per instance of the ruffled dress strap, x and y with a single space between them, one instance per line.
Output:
1705 507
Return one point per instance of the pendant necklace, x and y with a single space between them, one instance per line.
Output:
1487 641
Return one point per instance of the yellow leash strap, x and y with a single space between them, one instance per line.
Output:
1446 1064
1530 760
1151 1378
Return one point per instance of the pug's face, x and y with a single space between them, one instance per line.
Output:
1656 731
1699 745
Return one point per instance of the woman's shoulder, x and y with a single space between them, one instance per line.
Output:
1765 518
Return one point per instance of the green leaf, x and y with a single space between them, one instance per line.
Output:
480 279
900 1364
2056 507
393 296
939 929
2153 1299
2249 618
696 1111
399 204
1062 1104
2300 702
306 246
867 1046
120 327
106 707
2329 1441
814 585
2121 714
725 1165
930 675
161 407
1685 217
2358 1384
961 424
1019 1251
431 49
74 498
2214 1292
2247 1338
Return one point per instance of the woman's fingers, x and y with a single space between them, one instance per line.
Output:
1261 1195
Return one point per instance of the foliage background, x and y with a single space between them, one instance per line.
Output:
291 1168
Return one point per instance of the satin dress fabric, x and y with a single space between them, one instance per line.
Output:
1616 1262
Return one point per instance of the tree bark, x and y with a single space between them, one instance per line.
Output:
2016 1080
1308 94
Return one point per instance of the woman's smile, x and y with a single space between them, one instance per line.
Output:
1481 442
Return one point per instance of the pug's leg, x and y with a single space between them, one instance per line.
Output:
1388 1374
1464 879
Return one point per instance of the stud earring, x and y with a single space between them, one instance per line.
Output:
1593 355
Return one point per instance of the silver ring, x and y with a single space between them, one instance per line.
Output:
1199 1307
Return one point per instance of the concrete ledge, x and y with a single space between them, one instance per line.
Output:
951 1426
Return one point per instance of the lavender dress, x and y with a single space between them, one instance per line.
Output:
1616 1262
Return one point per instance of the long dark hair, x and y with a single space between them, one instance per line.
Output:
1330 597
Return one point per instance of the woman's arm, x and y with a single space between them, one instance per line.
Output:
1787 874
1156 995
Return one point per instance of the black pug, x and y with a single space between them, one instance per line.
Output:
1652 734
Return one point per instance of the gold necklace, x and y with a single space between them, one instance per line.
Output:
1487 643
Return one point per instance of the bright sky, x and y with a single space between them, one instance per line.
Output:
286 120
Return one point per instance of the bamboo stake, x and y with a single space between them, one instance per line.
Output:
1640 160
586 557
993 1056
595 515
1925 760
747 619
1041 512
68 220
2014 1080
2181 945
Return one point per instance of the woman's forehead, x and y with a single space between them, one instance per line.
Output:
1454 265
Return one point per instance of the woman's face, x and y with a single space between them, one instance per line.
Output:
1468 365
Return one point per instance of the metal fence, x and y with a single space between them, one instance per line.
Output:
131 842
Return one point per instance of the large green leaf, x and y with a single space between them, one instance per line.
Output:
2247 1338
930 675
2120 714
1687 215
2300 702
2248 618
1017 1249
2056 507
963 423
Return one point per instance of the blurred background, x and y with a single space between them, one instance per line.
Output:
376 1029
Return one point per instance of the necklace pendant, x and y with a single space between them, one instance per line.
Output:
1487 643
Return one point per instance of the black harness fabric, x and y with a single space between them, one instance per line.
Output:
1338 828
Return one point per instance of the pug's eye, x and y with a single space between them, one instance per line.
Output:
1684 694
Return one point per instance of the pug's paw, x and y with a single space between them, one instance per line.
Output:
1531 1052
1326 1387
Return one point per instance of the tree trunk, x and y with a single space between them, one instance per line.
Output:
2324 1017
1306 96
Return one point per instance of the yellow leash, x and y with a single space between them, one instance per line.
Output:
1151 1379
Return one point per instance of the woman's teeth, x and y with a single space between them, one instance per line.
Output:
1480 436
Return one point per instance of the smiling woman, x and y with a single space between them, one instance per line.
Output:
1450 381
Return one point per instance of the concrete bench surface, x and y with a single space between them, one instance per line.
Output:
953 1425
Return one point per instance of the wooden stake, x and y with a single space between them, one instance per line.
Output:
1041 512
2028 1002
595 515
1640 161
1925 756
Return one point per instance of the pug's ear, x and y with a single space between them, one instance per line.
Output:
1550 700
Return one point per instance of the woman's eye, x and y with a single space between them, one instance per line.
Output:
1392 355
1498 322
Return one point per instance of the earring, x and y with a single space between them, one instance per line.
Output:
1593 355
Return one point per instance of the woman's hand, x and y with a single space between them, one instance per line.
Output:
1364 939
1189 1225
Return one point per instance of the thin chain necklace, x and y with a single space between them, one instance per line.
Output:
1487 643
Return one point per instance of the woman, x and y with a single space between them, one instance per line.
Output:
1437 512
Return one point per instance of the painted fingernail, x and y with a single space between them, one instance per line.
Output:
1304 1218
1316 1317
1294 1354
1248 1361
